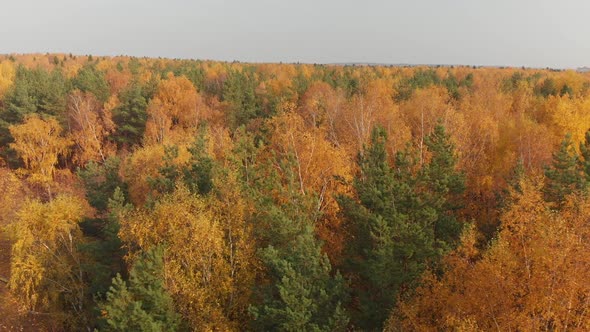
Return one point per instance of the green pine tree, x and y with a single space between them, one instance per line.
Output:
100 182
444 187
130 116
301 291
104 247
141 304
393 233
563 176
90 79
34 91
239 90
197 175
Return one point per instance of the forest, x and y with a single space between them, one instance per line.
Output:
151 194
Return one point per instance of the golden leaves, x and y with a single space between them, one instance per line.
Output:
321 169
533 277
12 195
7 73
90 125
175 109
39 143
197 272
45 260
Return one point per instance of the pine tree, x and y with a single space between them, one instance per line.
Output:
444 186
34 91
301 292
90 79
239 91
564 176
141 304
100 182
130 116
104 246
197 175
393 242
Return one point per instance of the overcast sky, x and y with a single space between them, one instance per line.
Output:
537 33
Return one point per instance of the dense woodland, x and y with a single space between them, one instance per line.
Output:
173 195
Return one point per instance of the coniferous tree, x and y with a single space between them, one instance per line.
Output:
563 177
239 90
444 186
34 91
100 182
142 303
104 248
197 175
301 292
106 192
392 243
130 116
90 79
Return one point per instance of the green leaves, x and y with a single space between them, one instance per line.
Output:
300 291
444 186
239 90
90 79
130 116
142 304
403 222
565 175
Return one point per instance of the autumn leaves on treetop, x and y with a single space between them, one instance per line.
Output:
157 194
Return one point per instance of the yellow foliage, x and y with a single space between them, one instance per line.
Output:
321 169
12 193
533 277
176 105
90 124
7 73
570 116
196 270
45 264
39 143
144 164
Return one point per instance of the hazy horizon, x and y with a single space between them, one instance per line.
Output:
454 32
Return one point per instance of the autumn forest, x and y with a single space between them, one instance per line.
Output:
144 194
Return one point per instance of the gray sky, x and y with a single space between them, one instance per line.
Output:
537 33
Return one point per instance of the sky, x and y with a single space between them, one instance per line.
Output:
532 33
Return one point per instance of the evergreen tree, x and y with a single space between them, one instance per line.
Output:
301 292
444 186
90 79
106 192
33 91
239 90
169 173
130 116
100 182
197 175
142 304
104 247
564 176
393 241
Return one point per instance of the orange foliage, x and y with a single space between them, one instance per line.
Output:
90 124
321 168
532 278
175 110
